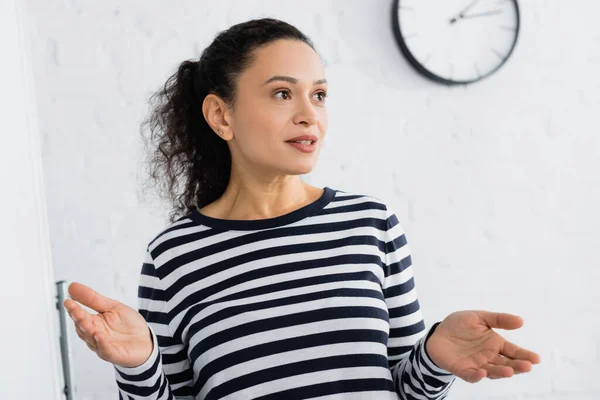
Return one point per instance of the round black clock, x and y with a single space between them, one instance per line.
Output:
456 41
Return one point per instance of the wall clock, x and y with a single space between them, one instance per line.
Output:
456 41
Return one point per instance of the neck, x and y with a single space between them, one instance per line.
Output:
247 199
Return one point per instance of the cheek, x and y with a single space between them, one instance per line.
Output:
263 125
261 132
323 121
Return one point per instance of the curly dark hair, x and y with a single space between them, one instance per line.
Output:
189 164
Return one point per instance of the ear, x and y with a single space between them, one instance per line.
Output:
218 114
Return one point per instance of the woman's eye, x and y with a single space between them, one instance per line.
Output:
287 94
323 96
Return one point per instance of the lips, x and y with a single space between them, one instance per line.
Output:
304 148
312 138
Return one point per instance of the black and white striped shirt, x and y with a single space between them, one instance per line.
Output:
317 303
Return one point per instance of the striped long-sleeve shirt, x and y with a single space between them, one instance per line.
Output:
317 303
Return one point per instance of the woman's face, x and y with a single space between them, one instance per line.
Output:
279 97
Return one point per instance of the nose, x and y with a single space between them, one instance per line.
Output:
306 113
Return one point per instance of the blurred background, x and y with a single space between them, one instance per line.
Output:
496 183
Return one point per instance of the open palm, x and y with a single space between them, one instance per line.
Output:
118 333
465 344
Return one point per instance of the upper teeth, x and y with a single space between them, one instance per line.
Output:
303 141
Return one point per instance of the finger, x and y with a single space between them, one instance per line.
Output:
85 323
91 346
72 306
472 375
84 320
88 339
101 344
83 335
498 371
519 366
69 304
79 332
77 313
501 320
90 326
515 352
90 298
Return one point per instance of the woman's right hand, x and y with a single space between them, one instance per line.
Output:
118 334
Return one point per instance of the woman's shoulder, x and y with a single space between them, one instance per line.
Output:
363 196
170 227
363 200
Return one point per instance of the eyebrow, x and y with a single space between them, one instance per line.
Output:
291 80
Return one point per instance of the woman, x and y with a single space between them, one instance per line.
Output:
269 287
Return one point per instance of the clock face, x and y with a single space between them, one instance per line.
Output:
456 41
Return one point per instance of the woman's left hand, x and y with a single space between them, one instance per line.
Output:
465 345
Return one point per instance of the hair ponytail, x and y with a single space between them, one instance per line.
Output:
188 163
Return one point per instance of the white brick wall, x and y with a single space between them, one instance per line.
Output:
497 183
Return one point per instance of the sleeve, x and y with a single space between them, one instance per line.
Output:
166 374
414 374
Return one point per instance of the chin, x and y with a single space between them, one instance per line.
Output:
300 169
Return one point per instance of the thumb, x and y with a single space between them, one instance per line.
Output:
90 298
501 320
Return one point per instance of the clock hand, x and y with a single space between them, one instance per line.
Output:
483 14
464 10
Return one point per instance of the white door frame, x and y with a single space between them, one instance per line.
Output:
31 366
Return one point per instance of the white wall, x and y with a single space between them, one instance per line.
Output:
29 323
497 183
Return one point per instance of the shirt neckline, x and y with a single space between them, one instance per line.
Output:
285 219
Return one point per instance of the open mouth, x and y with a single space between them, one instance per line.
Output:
308 142
305 146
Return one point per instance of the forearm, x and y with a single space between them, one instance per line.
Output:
417 377
146 381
